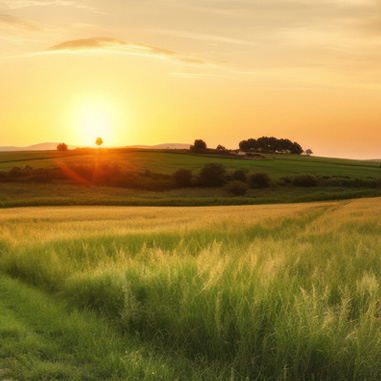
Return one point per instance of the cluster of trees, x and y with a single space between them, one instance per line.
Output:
263 144
271 144
214 175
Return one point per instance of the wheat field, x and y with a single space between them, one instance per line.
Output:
261 292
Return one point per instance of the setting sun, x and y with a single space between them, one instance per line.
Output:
91 116
95 122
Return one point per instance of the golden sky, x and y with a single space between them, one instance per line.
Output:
171 71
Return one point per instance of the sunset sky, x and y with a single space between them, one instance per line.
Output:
170 71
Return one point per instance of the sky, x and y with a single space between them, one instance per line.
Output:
172 71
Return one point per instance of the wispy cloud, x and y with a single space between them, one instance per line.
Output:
10 22
111 45
16 4
16 29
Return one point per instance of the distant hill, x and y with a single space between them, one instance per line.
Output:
163 146
36 147
53 145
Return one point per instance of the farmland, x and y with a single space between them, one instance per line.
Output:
261 292
166 163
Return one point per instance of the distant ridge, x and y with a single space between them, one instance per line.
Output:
35 147
53 146
163 146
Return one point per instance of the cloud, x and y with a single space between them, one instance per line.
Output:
17 29
14 4
12 22
111 45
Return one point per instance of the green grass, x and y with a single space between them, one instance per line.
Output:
19 194
265 292
34 194
41 338
161 162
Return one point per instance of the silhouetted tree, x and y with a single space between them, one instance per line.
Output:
198 146
62 147
271 144
221 148
98 142
309 152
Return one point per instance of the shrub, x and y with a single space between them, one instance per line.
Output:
259 180
62 147
305 181
239 174
183 177
212 175
236 187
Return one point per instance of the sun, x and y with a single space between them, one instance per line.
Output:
94 122
93 116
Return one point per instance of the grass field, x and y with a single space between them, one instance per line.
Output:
167 163
261 292
276 166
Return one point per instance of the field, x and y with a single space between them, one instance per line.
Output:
281 292
276 166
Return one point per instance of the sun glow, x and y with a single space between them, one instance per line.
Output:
95 122
95 116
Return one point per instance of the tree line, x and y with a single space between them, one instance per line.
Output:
264 144
271 144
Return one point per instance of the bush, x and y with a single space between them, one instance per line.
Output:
236 187
212 175
240 175
62 147
305 181
183 178
259 180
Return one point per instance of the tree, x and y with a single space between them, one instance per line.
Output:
221 148
309 152
99 142
198 146
62 147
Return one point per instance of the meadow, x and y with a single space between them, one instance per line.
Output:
283 292
167 162
48 191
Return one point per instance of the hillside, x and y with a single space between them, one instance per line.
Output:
341 179
167 162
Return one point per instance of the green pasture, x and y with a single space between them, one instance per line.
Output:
275 165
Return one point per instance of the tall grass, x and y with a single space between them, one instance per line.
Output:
280 292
